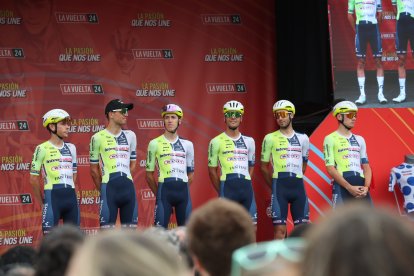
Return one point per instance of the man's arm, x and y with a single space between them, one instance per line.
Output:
132 165
190 176
304 166
266 172
368 177
214 177
351 21
96 175
35 182
353 190
251 170
152 184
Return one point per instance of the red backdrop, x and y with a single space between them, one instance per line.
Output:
78 55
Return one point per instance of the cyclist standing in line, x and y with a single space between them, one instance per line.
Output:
346 157
56 161
112 161
233 154
287 151
174 157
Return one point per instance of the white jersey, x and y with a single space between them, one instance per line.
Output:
403 175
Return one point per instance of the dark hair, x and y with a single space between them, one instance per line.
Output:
56 249
215 230
19 254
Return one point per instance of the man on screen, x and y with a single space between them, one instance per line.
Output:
404 33
368 15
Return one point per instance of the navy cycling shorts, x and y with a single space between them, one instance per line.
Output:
368 34
340 195
241 191
285 191
404 33
172 194
60 203
118 194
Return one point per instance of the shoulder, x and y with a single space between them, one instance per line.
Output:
217 138
185 141
248 138
129 133
302 135
70 146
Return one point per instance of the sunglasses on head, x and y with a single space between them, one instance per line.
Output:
123 111
233 114
253 258
282 114
350 115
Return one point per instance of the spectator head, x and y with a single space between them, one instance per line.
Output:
56 250
127 253
357 239
214 231
20 254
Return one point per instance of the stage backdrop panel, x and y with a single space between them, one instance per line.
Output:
78 55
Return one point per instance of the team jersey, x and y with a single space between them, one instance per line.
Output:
403 175
404 6
287 154
173 159
57 165
113 153
345 154
365 9
232 155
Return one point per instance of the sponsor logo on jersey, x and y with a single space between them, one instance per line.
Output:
80 18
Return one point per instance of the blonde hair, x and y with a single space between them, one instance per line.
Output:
122 252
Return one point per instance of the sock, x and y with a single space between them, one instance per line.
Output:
402 86
361 82
380 81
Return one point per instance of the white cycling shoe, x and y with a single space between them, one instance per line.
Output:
361 100
399 99
382 99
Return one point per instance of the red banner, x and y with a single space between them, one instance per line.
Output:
78 55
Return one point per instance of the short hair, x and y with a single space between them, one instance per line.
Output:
125 252
56 249
215 230
19 254
358 239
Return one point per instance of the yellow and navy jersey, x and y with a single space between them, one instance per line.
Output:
345 153
232 155
173 159
57 165
287 154
114 153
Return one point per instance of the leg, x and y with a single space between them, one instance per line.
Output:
163 207
72 214
401 78
108 209
183 208
279 206
48 214
128 210
361 81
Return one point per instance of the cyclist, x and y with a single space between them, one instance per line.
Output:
113 152
404 33
287 151
56 160
366 27
234 155
174 158
346 157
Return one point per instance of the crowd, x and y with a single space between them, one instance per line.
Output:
219 239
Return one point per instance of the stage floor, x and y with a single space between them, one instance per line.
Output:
346 87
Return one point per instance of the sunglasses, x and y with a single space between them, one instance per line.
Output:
350 115
232 114
123 111
281 114
256 257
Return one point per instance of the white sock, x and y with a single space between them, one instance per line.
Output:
361 82
402 86
380 81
